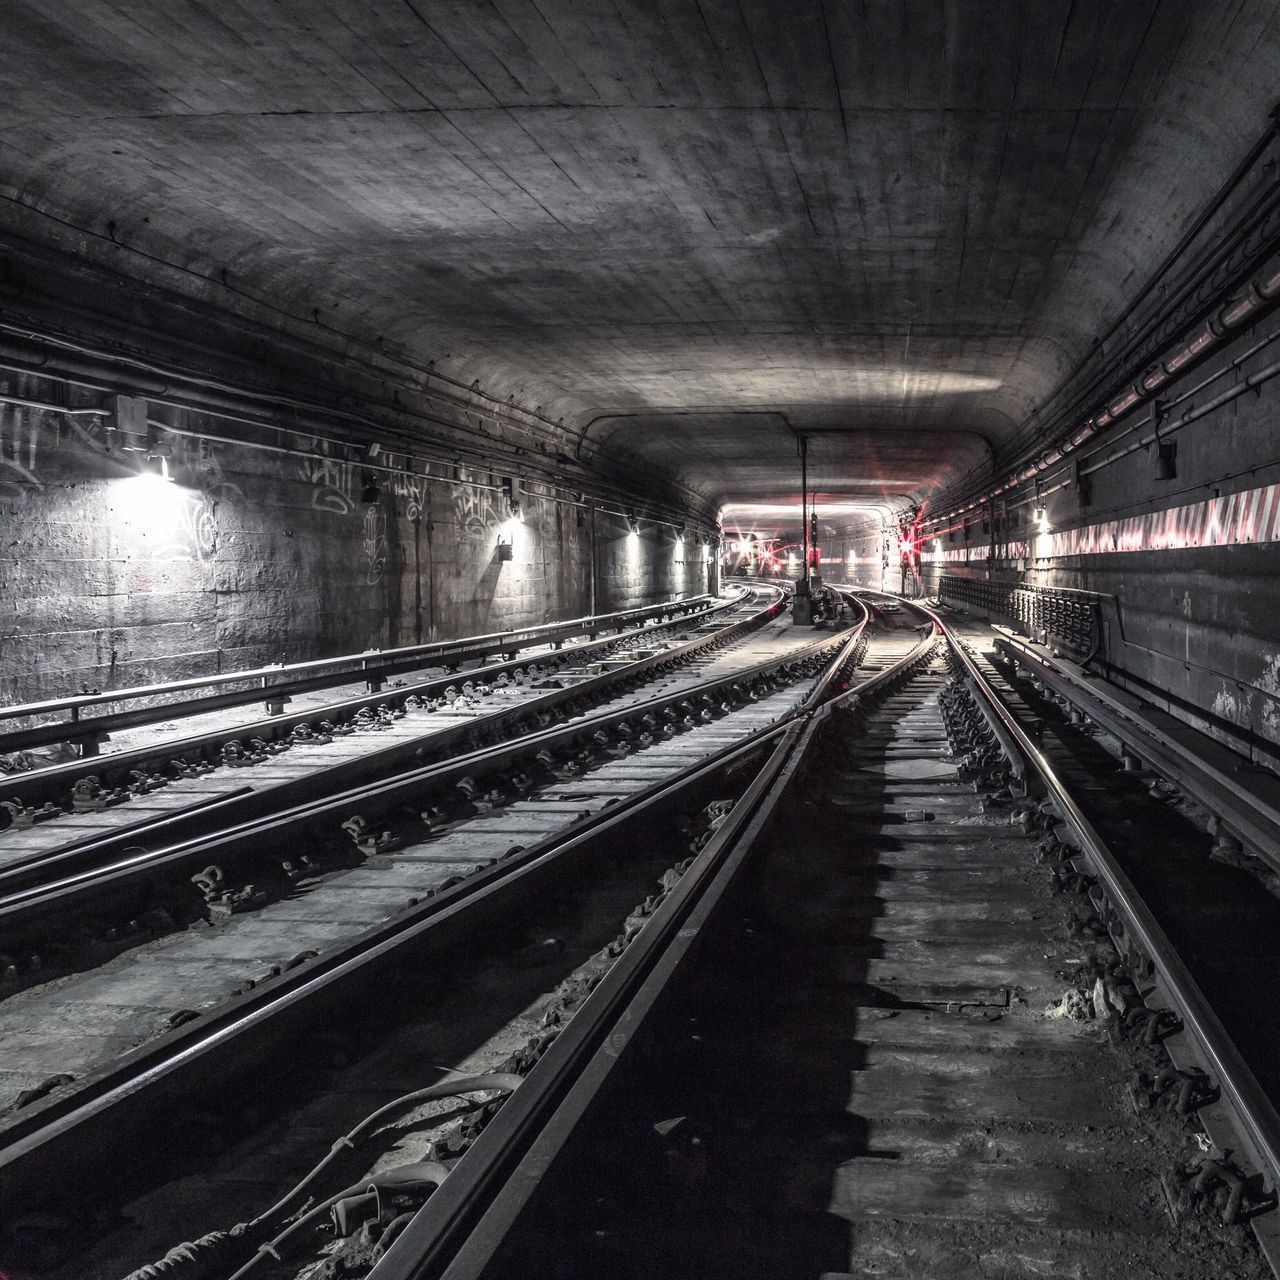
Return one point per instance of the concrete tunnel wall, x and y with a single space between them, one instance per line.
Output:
1186 566
115 579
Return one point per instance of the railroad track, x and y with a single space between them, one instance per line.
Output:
156 782
528 812
892 1012
94 718
864 1035
66 858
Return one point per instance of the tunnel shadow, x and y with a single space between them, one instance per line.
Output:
264 1130
716 1148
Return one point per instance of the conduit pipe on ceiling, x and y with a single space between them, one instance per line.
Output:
1222 324
378 348
1214 263
102 371
1167 427
385 469
98 371
24 403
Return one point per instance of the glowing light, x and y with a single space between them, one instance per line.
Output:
788 512
154 506
151 482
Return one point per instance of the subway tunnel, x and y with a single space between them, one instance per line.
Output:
468 469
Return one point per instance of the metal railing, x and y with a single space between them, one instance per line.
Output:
276 683
1258 1120
1070 617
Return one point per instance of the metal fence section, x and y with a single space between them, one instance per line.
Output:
1067 617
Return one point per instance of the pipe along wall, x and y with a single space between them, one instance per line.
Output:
1183 556
113 577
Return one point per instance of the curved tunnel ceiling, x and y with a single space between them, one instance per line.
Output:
684 228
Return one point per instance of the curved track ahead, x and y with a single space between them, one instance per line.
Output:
874 1024
599 783
880 1043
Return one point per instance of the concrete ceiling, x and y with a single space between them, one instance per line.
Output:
687 228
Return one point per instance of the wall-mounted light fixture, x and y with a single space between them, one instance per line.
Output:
633 523
507 538
1039 515
511 490
130 432
1166 450
156 465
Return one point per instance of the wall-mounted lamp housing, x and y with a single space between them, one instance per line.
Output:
633 522
130 425
157 465
511 491
1084 485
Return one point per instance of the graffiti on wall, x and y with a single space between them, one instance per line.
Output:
26 438
336 482
181 521
412 490
29 440
333 481
476 510
374 544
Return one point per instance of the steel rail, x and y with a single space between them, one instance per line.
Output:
1257 1117
846 659
40 782
48 1141
22 908
374 664
42 1141
581 1056
455 1233
1246 814
242 806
